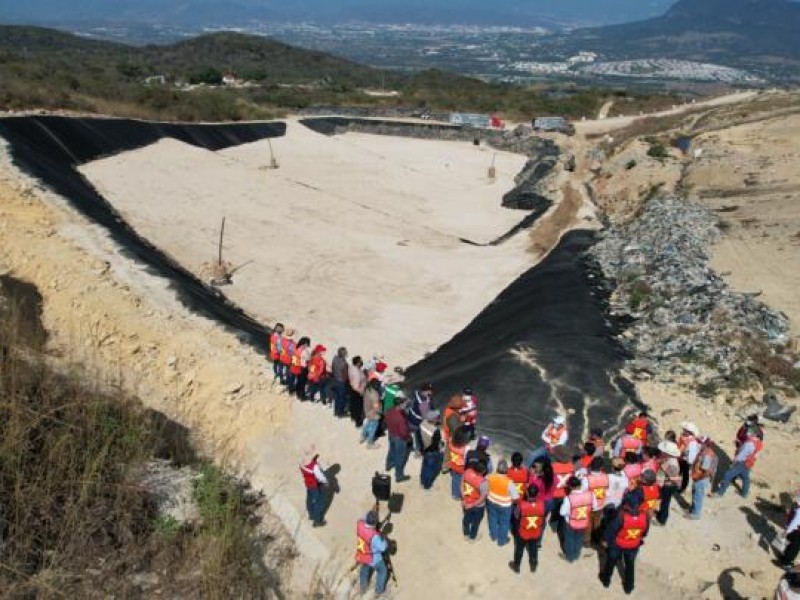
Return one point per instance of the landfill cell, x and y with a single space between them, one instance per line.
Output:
544 346
50 148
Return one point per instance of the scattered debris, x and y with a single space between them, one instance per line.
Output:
684 319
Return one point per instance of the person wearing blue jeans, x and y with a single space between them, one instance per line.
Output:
370 547
474 490
702 471
315 481
431 465
397 457
455 485
742 464
399 440
740 470
499 506
471 521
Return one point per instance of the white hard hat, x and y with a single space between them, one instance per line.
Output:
559 420
690 427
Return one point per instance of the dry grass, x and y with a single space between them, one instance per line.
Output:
75 520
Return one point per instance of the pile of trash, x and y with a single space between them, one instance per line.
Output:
683 319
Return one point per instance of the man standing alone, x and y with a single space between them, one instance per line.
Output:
314 480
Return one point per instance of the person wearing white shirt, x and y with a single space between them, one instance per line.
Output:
792 532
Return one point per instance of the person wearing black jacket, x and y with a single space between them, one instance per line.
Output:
432 453
624 536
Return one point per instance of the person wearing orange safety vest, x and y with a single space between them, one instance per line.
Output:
633 470
576 512
298 370
704 469
451 419
789 585
553 436
500 502
743 463
275 341
640 427
317 373
474 490
518 474
370 547
651 493
469 413
287 350
563 471
456 461
528 526
627 444
624 536
597 482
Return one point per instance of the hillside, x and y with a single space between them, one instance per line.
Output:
760 34
48 69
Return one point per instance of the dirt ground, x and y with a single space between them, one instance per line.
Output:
352 237
105 309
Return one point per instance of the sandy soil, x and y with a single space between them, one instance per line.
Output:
105 309
750 174
352 237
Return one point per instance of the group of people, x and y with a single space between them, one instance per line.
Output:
592 494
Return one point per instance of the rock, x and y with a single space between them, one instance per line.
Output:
145 580
172 361
757 575
234 388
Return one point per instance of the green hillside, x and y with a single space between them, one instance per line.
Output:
52 70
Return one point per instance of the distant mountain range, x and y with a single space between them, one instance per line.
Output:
763 35
203 13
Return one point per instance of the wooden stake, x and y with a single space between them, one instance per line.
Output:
221 234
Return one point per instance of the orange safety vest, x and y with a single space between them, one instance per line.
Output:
364 535
316 368
652 497
629 536
638 429
697 467
455 459
562 472
448 412
498 489
287 350
580 507
531 520
554 435
633 472
651 464
471 489
274 342
297 360
519 475
759 445
630 445
598 485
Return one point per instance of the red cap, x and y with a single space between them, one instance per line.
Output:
381 367
319 348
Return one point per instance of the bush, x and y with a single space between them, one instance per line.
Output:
658 150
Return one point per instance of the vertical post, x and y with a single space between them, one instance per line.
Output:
221 234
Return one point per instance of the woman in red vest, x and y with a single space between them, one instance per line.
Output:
528 525
624 537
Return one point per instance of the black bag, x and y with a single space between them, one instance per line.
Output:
382 487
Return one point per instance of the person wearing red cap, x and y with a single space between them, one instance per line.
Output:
317 373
